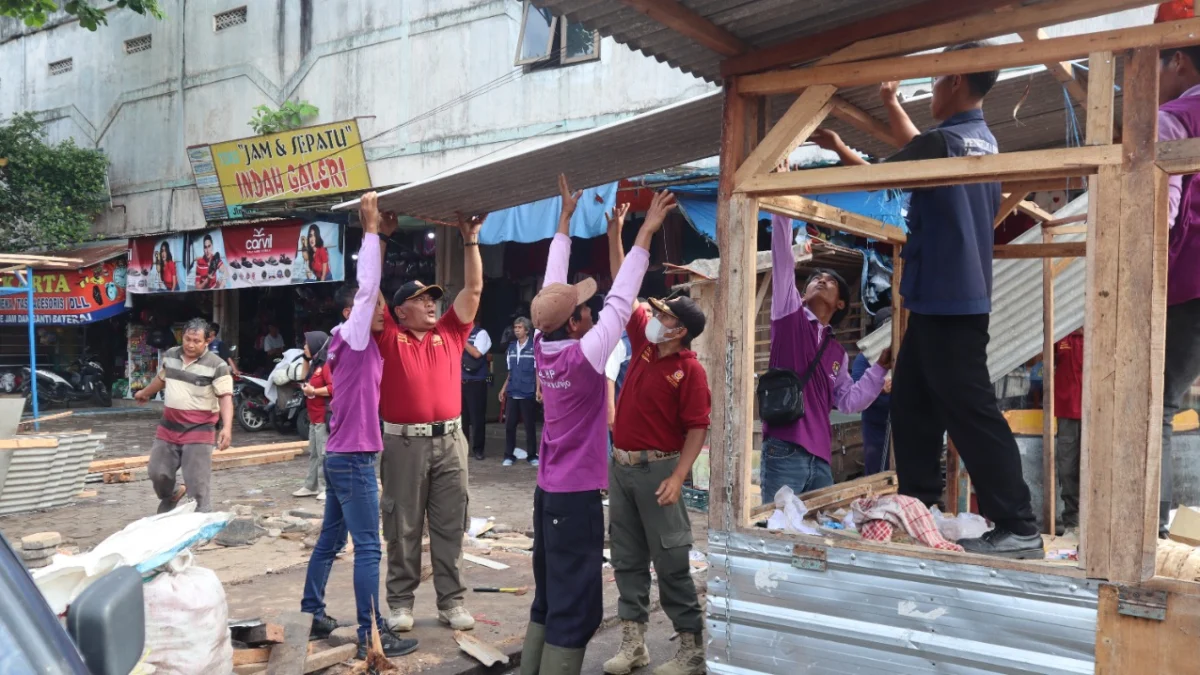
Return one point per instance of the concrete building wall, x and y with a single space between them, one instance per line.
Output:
386 62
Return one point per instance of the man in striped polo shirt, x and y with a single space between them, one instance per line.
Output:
198 386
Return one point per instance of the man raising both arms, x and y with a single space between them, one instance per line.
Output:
354 442
568 519
424 466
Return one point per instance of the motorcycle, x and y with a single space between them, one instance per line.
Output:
254 411
83 380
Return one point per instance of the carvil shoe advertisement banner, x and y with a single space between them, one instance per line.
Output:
156 264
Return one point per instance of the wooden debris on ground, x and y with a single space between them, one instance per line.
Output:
47 418
839 495
376 661
220 462
256 656
257 634
479 650
484 562
140 461
288 657
28 443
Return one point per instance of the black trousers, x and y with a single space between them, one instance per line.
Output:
474 396
568 557
941 384
524 409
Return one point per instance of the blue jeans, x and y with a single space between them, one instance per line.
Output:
352 505
785 463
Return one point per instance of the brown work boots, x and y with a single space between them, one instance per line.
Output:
689 660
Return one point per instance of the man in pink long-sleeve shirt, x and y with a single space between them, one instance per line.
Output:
797 454
568 519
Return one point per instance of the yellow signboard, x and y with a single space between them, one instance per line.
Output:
320 160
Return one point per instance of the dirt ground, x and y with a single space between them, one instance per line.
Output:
268 576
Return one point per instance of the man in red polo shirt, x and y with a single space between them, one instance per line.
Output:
1068 400
662 420
424 462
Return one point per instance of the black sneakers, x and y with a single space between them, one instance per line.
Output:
322 627
392 646
1004 544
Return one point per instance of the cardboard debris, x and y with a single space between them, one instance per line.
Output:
479 650
1185 528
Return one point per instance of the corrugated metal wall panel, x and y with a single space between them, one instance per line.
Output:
876 613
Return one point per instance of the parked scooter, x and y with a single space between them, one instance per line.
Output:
254 411
83 380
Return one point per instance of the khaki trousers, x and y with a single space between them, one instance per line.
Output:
424 478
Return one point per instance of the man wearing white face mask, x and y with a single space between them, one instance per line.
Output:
661 423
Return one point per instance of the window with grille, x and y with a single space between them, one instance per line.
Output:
63 66
547 41
234 17
137 44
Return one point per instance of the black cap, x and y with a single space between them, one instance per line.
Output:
843 294
686 310
412 289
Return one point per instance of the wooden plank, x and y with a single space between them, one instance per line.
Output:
1155 36
48 418
811 47
794 128
1062 249
841 494
863 121
817 213
1060 163
484 562
102 466
1064 226
27 443
1049 476
691 25
1102 71
1034 211
288 658
1179 157
1044 185
246 657
1064 229
1007 205
1063 72
329 657
953 466
1130 644
254 460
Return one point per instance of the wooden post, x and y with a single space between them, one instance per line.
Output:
899 325
1049 478
952 468
733 326
1124 342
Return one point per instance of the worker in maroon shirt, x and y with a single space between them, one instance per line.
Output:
661 422
1068 398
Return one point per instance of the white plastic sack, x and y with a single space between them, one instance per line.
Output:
789 514
187 621
147 544
962 526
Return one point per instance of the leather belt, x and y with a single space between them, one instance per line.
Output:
639 457
435 430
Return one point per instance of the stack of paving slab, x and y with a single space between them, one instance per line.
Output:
37 550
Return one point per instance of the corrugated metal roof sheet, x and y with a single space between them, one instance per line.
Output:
758 23
91 254
1015 330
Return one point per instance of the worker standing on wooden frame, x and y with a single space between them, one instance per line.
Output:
568 518
942 382
662 419
1179 117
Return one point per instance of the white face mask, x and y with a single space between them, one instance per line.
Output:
656 333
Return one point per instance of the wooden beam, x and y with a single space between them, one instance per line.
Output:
1124 352
1045 185
1007 206
1034 211
1049 477
1062 71
1179 157
812 47
1060 163
805 115
733 339
1102 71
863 121
1059 222
811 211
1064 229
691 25
1062 249
1158 36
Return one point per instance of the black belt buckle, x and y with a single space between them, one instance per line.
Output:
439 429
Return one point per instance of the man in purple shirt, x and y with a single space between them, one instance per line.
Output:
354 442
1179 117
797 454
570 351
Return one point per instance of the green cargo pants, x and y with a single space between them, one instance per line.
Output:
642 532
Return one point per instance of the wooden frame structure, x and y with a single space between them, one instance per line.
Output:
1126 250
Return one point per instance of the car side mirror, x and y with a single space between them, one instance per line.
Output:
107 622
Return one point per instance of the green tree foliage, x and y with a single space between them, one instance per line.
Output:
49 194
291 115
35 13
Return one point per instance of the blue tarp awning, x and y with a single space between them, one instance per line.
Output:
538 220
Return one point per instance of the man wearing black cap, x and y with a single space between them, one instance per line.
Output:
424 464
796 452
661 423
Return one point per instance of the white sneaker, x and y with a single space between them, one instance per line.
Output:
321 497
507 462
304 492
457 618
401 620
